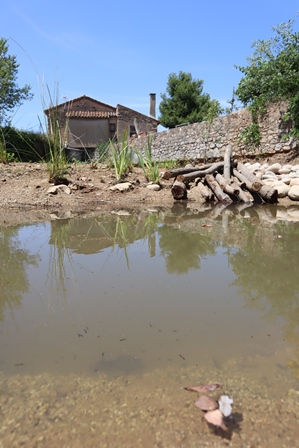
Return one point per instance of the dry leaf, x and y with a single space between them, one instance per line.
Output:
203 388
206 403
216 419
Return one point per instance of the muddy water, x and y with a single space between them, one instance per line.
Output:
105 320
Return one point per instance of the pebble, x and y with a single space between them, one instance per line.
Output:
284 178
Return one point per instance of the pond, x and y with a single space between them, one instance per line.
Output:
104 320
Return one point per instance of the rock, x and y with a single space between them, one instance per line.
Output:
281 187
254 167
55 188
294 181
275 168
269 175
284 171
124 186
153 187
294 193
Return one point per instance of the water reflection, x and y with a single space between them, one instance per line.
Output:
166 282
13 264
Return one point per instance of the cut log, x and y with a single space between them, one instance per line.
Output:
202 173
226 187
187 169
232 189
179 190
268 194
265 193
251 186
217 190
227 165
205 192
256 182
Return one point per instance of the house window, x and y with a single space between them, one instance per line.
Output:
112 130
132 130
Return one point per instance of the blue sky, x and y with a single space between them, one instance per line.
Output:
120 51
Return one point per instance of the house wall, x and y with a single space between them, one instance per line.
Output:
208 140
86 132
127 117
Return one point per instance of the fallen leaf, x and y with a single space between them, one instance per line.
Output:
216 419
206 225
206 403
203 388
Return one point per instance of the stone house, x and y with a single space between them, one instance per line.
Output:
85 123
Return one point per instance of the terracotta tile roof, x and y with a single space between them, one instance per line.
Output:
89 114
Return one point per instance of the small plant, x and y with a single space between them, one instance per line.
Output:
149 167
169 164
250 135
5 156
122 156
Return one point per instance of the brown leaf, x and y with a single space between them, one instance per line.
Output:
206 403
203 388
216 419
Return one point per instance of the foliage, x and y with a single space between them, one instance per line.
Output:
185 101
102 151
250 135
54 135
122 155
11 95
23 146
272 73
149 167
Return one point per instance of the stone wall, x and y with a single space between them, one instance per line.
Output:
127 117
208 140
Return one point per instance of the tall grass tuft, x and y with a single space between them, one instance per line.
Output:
56 138
122 157
149 167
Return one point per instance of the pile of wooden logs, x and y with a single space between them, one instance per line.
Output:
226 182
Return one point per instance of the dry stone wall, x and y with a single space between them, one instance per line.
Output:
208 140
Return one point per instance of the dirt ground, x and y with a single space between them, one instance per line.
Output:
24 193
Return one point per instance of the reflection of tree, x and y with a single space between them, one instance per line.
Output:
267 279
183 250
13 263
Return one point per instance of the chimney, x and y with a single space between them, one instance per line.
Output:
152 109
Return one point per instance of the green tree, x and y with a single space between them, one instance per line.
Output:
272 72
11 95
185 101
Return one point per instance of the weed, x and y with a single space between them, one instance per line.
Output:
122 156
149 167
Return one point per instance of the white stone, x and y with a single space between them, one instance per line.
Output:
269 181
284 171
294 181
154 187
275 167
55 188
282 188
269 175
124 186
286 179
259 174
288 167
295 168
254 167
294 193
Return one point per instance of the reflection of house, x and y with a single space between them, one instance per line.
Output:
86 122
